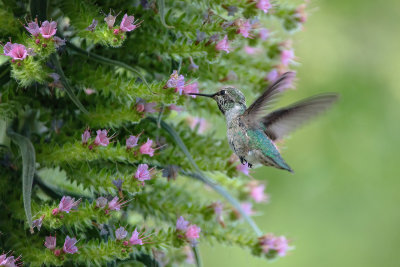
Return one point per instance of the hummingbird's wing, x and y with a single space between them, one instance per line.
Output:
254 113
283 121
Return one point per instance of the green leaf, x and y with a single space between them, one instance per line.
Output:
161 10
201 177
65 83
28 169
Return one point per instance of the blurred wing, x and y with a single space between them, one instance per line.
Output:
258 109
285 120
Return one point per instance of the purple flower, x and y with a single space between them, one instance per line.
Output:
15 51
193 65
181 224
243 168
223 45
101 138
264 5
142 173
9 261
247 208
135 238
263 33
115 204
93 25
257 193
85 136
176 81
118 183
252 50
193 233
38 223
287 56
50 242
127 23
89 91
101 202
69 245
301 13
132 141
66 204
33 28
277 243
191 88
48 29
147 149
142 106
110 20
272 75
120 233
58 41
244 28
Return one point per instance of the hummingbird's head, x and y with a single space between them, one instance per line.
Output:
228 99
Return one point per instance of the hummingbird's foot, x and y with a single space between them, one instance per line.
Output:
250 165
243 161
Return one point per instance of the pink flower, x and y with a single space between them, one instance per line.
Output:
147 149
69 245
135 238
120 233
175 107
271 242
176 81
287 56
110 20
181 224
272 75
85 136
33 28
9 261
101 202
142 173
132 141
38 223
101 138
193 232
89 91
257 193
223 45
127 23
243 168
15 51
48 29
149 107
264 34
115 204
195 122
191 88
244 28
252 50
66 204
50 242
247 208
264 5
301 13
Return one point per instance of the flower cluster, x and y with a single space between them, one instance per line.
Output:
191 231
177 82
272 244
137 238
114 204
69 246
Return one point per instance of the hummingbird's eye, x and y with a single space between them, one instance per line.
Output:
223 92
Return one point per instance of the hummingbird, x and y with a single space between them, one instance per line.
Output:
252 131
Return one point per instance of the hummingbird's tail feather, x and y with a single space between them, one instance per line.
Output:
277 161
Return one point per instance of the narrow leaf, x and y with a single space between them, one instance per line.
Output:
65 83
161 10
28 169
201 177
197 257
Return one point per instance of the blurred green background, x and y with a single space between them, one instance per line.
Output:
341 207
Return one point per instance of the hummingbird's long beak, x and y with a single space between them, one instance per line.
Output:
206 95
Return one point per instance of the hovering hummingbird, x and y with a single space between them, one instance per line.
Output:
252 131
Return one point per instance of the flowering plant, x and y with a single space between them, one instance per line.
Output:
112 153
